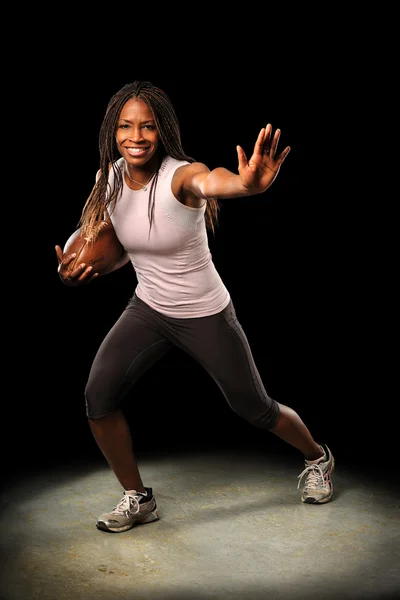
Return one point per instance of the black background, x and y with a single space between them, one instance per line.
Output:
296 260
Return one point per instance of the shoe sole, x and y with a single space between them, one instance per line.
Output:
153 516
314 501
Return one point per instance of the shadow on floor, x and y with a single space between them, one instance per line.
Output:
232 527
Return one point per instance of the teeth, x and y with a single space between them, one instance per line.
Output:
136 150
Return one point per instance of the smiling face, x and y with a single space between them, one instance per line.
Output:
137 136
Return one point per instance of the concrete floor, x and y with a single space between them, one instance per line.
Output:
232 527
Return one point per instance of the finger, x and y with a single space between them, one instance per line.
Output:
83 272
267 139
282 156
66 260
86 276
78 271
59 254
242 158
80 275
259 145
275 140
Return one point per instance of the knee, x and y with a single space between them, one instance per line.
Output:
266 418
99 403
95 418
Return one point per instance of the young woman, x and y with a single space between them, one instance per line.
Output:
162 203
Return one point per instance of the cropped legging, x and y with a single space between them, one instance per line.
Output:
141 336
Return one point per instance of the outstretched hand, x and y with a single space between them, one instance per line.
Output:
258 173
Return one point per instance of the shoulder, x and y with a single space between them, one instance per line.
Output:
186 182
169 166
172 167
185 174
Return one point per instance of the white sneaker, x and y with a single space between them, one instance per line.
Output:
131 509
318 487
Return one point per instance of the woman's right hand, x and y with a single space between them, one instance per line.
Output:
79 276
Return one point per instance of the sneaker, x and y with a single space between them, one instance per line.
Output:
131 509
318 487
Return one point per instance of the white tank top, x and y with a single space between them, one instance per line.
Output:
175 272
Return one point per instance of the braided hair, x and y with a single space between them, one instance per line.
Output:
102 197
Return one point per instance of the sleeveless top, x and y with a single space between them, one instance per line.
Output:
175 272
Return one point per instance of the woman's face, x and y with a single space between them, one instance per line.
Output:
137 136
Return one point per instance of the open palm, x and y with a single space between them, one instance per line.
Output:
259 172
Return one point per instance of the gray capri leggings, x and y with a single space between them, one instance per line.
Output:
141 336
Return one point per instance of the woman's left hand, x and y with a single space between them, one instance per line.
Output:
258 173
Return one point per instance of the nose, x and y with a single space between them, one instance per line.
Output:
136 134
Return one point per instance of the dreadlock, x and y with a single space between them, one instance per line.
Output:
102 197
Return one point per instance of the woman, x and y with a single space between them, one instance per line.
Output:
162 203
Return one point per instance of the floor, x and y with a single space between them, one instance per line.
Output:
232 527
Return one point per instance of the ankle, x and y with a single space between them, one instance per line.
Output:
318 453
136 491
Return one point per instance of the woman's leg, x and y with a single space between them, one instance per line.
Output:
129 349
290 428
220 345
113 437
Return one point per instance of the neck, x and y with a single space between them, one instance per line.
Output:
142 179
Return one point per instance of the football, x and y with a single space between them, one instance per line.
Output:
101 254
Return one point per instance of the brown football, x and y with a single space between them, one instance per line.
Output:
102 254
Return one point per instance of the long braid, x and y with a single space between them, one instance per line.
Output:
102 197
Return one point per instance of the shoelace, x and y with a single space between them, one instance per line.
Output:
130 503
315 478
